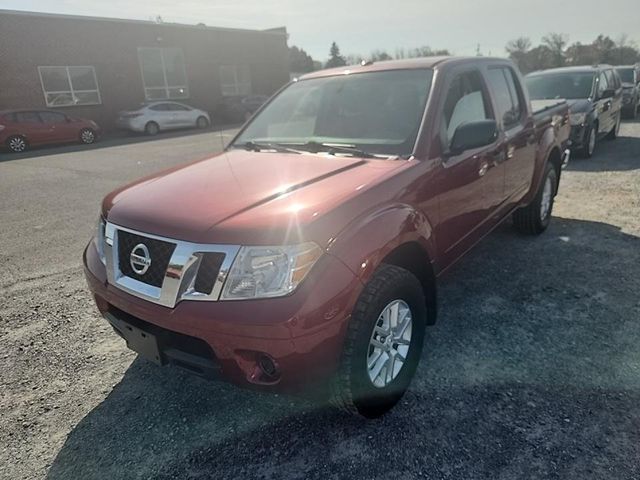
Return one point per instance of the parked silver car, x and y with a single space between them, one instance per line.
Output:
154 117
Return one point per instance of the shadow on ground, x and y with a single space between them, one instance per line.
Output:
531 372
622 154
112 139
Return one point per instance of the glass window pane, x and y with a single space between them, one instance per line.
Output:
174 65
27 117
54 79
87 98
151 64
53 117
59 99
181 92
227 75
82 78
500 87
156 93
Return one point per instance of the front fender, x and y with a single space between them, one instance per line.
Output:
547 143
365 242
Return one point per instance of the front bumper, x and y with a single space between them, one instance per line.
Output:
302 334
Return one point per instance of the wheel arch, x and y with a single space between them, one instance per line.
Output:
397 235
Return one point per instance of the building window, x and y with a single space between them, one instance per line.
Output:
66 86
235 80
163 73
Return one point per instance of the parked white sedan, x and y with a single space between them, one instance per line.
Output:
154 117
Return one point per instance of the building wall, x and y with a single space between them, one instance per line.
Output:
111 47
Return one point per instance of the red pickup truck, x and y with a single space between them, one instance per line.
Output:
307 253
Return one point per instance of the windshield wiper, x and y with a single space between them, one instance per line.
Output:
260 146
333 148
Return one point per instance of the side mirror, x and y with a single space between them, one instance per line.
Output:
473 135
609 93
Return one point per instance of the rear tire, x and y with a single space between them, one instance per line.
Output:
535 217
151 128
87 136
202 122
17 143
613 134
378 360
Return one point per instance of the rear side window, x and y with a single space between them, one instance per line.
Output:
53 117
612 79
176 107
465 102
27 117
161 107
508 98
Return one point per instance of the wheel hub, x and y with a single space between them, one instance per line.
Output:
389 343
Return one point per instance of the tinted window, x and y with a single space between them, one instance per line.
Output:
53 117
612 80
560 85
27 117
626 75
465 102
507 101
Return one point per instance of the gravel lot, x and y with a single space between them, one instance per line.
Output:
533 370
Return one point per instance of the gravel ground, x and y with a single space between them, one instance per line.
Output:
533 370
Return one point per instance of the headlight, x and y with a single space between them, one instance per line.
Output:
99 239
577 118
262 272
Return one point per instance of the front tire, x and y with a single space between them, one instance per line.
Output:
17 143
383 344
535 217
590 141
202 122
87 136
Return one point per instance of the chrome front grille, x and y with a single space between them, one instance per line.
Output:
177 270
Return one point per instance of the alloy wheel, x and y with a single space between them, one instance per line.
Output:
389 343
17 144
87 136
592 141
545 201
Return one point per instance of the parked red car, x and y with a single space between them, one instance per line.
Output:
308 252
21 129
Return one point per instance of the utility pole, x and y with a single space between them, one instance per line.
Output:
478 54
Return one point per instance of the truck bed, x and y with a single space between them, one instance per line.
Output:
555 113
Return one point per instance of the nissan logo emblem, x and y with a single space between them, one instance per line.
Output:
140 259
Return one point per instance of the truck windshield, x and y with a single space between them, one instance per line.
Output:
374 112
560 85
626 74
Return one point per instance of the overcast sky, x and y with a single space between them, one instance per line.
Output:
361 26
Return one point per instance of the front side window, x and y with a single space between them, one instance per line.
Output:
603 84
235 80
27 117
570 85
379 112
465 102
163 73
66 86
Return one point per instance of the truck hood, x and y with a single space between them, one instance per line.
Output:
243 197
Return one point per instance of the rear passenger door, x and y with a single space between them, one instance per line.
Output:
162 115
518 134
59 129
30 125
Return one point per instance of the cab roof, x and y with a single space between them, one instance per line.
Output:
404 64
